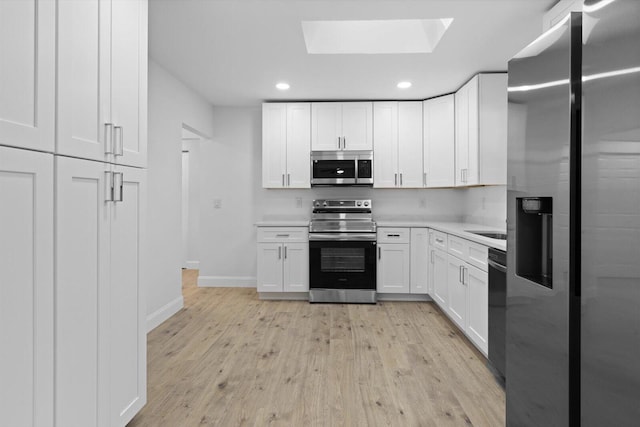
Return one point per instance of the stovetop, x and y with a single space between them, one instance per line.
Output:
342 216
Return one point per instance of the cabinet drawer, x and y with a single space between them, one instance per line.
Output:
477 255
468 251
438 239
283 234
458 247
394 235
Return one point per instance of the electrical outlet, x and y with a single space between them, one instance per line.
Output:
298 202
217 203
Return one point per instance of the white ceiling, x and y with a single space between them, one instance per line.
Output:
233 52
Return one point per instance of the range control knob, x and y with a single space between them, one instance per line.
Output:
366 203
358 203
324 204
317 204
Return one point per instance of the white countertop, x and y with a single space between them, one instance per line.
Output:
449 227
455 228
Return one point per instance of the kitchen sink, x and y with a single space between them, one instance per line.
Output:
490 234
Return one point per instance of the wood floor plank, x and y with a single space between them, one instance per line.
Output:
230 359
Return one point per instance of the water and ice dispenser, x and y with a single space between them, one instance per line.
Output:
534 239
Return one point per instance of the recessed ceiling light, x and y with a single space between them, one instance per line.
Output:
404 85
282 86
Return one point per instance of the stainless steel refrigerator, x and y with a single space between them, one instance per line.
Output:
573 257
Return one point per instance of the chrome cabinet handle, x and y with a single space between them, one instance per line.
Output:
108 187
339 147
379 252
288 180
344 142
393 235
282 235
279 252
108 140
118 186
285 252
424 179
119 150
395 179
283 180
432 257
400 179
439 240
460 275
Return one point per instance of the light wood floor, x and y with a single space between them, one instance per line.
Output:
229 359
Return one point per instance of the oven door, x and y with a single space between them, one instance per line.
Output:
342 264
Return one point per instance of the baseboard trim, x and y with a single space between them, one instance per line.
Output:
403 297
226 282
193 265
279 296
163 313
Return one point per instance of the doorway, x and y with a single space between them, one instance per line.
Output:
190 199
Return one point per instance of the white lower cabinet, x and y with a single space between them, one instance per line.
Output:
393 268
283 260
419 261
478 316
457 305
26 288
100 354
438 277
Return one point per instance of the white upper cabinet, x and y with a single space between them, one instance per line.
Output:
102 80
481 131
286 141
397 135
27 74
341 126
439 141
26 288
385 144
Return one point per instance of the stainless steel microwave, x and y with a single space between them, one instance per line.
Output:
341 168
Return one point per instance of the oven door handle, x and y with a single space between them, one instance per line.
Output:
342 237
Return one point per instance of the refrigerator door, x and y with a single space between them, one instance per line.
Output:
537 380
610 324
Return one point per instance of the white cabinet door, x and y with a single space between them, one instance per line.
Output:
127 313
478 284
462 132
129 80
296 267
326 126
274 143
472 173
457 306
27 74
439 141
440 284
82 292
419 260
298 146
270 271
84 79
385 139
26 287
393 268
357 126
410 144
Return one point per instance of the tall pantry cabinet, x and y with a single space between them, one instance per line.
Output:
73 86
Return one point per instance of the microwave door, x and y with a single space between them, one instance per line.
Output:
334 172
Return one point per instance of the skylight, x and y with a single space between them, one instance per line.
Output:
374 37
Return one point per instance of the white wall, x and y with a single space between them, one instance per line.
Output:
231 171
486 206
171 104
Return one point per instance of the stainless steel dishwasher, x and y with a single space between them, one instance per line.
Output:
497 311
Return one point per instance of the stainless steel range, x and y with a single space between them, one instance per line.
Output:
342 252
